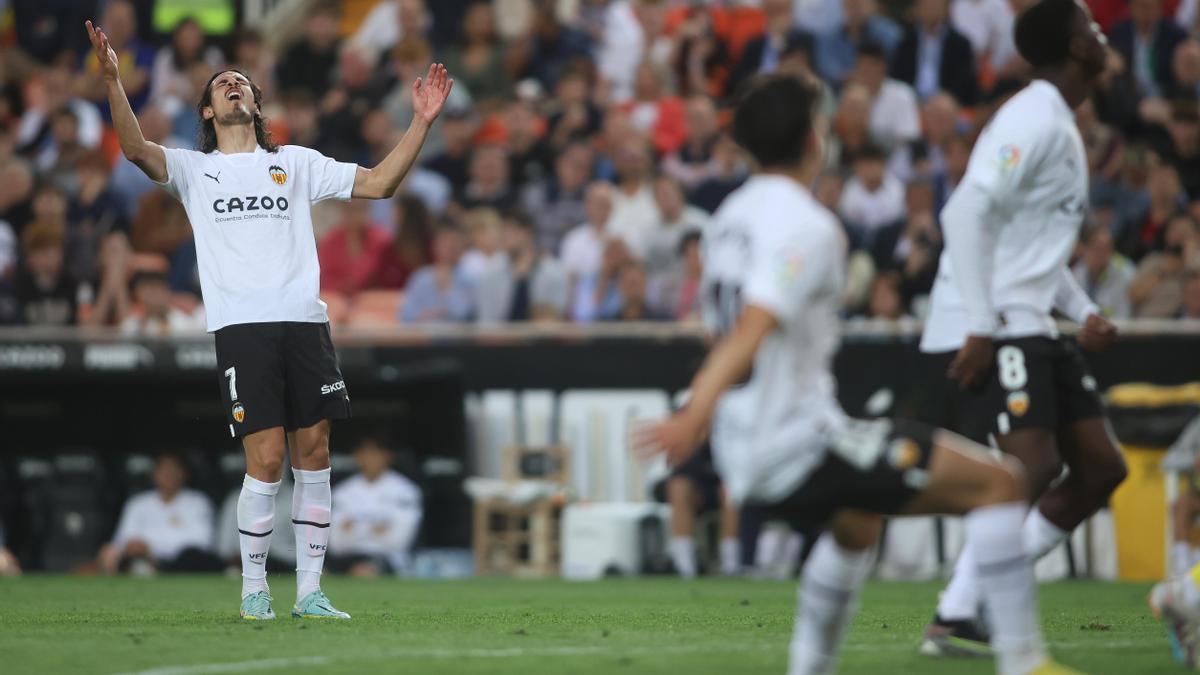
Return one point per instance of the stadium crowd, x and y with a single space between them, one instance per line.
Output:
580 154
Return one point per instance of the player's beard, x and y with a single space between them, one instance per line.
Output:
236 117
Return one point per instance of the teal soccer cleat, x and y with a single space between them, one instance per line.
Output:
316 606
257 607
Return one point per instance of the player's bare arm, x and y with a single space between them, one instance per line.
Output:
147 156
429 95
679 435
1095 333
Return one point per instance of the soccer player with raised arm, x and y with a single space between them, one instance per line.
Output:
774 270
249 203
997 358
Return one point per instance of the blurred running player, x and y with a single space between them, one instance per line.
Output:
249 203
774 269
1010 228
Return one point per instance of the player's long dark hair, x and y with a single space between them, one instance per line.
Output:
206 140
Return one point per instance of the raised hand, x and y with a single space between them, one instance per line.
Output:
104 52
430 94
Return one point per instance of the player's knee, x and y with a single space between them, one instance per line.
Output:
1008 483
680 491
856 530
1105 476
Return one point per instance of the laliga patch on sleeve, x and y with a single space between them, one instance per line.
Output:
1008 157
788 266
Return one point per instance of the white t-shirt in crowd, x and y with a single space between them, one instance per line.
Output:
251 217
167 527
988 24
634 217
895 116
391 503
771 244
872 209
1027 180
583 250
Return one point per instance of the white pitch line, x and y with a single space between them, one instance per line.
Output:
516 652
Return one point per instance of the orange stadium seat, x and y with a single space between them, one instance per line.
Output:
375 308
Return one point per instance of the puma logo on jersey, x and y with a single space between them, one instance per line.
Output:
216 178
250 203
340 385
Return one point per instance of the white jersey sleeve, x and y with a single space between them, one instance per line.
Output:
327 177
787 266
1072 300
180 164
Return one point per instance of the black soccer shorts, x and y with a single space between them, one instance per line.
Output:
279 374
877 466
1033 383
700 471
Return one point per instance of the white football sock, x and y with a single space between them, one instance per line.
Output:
731 556
1040 535
960 600
1181 558
311 504
1006 583
683 555
828 599
256 519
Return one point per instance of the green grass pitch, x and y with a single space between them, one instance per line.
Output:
189 625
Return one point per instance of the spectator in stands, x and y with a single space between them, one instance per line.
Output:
634 210
1190 308
1157 290
153 314
391 21
412 244
358 90
851 126
912 247
692 162
872 199
676 293
16 191
477 59
440 292
112 301
988 24
47 94
837 50
886 301
377 515
934 57
353 252
485 250
556 202
654 112
624 43
45 292
172 89
95 214
550 48
573 116
488 184
529 286
597 296
678 220
130 182
583 247
632 289
309 64
1185 71
529 154
56 162
459 125
729 171
47 29
167 529
1143 232
1105 274
1147 42
762 54
895 120
136 60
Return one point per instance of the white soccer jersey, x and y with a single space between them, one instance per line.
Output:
772 245
1011 225
251 217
